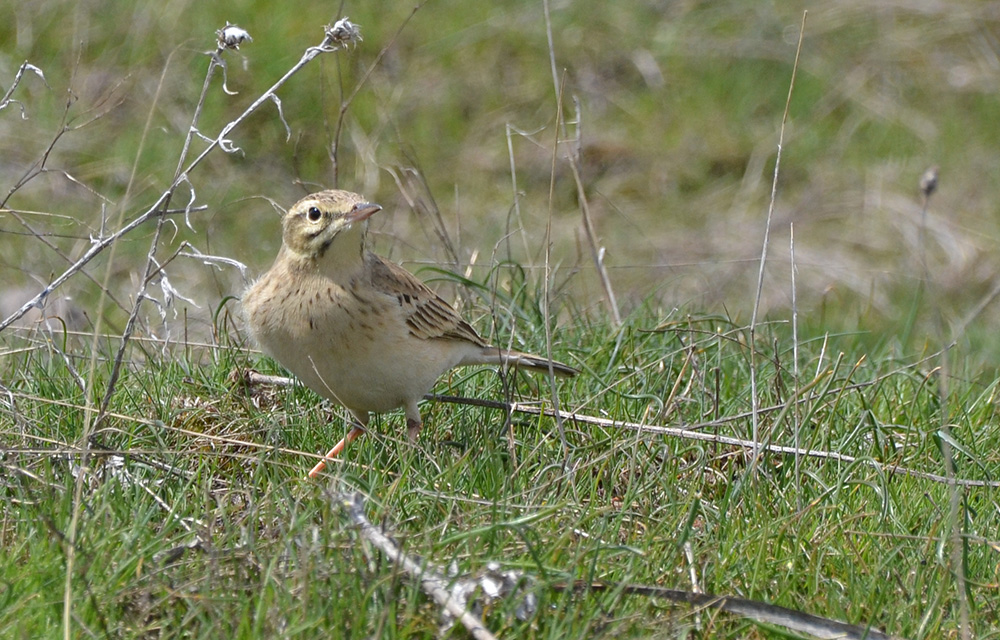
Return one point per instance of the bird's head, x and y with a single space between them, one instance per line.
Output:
327 223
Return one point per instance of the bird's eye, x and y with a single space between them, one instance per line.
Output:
314 214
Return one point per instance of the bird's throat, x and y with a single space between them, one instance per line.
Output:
341 256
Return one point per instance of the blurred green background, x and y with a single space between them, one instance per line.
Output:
680 105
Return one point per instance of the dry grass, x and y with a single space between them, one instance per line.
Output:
680 111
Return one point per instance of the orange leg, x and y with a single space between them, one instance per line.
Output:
335 451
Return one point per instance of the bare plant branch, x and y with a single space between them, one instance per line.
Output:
334 40
214 260
692 432
766 612
689 432
6 100
763 252
417 193
597 252
345 104
573 157
560 125
433 584
796 423
229 37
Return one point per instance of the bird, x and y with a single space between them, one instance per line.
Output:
356 328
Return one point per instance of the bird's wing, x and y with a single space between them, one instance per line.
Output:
427 314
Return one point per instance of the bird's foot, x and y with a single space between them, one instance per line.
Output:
413 428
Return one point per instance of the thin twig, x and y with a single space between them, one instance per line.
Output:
928 185
689 432
814 625
140 295
692 432
418 203
328 45
41 237
436 587
332 41
548 240
6 100
796 423
432 584
596 252
573 157
754 400
346 102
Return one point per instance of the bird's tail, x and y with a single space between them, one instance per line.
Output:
495 355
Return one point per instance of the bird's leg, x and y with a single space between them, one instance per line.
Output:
355 431
413 429
413 421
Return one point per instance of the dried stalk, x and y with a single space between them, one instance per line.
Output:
432 584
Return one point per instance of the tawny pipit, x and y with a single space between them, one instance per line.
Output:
355 328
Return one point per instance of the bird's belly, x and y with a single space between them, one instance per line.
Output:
369 363
366 375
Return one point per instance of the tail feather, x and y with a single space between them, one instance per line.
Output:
495 355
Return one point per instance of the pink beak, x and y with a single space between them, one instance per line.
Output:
362 211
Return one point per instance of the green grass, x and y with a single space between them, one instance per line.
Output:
233 540
193 518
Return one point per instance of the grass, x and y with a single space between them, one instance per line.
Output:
192 517
225 536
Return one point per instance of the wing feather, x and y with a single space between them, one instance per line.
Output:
428 316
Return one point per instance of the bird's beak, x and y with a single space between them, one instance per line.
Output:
362 211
